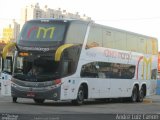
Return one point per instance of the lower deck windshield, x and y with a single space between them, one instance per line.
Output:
36 68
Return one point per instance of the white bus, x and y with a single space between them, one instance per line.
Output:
81 60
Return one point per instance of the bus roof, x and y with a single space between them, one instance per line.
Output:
57 19
101 25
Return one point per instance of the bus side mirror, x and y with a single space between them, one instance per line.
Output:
0 70
7 65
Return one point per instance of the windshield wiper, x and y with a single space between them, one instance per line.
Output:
19 76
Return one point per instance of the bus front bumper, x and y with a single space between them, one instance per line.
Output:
50 92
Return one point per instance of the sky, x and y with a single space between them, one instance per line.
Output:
139 16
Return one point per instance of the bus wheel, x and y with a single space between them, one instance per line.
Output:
80 97
39 101
14 99
140 95
134 95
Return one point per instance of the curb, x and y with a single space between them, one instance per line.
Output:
147 101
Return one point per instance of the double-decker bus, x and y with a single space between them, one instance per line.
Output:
79 60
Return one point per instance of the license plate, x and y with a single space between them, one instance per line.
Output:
30 94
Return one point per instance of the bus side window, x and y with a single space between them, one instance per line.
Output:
94 37
68 67
101 75
89 70
84 71
154 74
65 67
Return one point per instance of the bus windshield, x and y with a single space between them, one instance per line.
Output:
42 31
36 68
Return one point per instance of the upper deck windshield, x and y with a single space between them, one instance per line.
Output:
42 31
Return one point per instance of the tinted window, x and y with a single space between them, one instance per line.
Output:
108 38
108 70
154 74
154 47
120 40
42 31
142 45
95 37
76 33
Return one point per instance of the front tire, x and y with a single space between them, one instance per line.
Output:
80 97
39 101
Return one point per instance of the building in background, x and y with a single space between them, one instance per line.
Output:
16 29
34 12
2 44
7 34
159 64
10 33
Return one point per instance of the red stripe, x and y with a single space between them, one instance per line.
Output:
30 30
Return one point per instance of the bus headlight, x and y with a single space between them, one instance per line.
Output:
13 85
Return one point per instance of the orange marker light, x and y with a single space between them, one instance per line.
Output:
23 54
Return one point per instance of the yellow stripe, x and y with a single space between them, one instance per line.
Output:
147 62
6 48
60 50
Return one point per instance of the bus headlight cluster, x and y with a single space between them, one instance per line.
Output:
13 85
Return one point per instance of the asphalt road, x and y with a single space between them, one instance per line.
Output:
50 110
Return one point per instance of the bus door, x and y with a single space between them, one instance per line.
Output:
6 74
